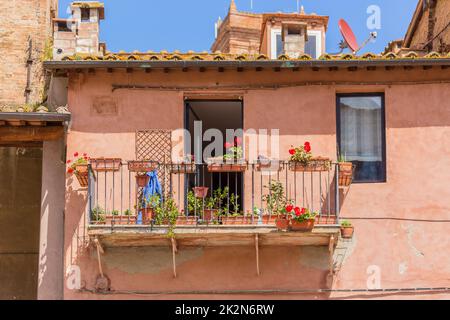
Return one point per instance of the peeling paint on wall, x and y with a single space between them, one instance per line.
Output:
410 230
146 260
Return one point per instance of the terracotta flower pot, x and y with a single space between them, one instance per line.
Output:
186 220
282 223
183 168
345 174
238 220
142 180
142 166
209 214
303 226
347 232
106 164
227 167
269 219
315 164
81 172
201 192
148 214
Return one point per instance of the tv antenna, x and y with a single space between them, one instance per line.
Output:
350 40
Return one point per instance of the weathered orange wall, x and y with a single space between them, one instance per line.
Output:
402 225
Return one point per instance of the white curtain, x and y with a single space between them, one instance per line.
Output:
361 128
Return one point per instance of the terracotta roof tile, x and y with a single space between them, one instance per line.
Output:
217 56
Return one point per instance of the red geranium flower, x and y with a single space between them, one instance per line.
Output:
69 161
75 154
70 170
292 152
228 145
298 212
237 141
307 147
303 211
289 208
85 155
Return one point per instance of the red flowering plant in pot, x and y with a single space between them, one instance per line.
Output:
302 219
79 167
303 160
232 161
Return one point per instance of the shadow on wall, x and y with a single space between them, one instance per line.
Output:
149 269
76 239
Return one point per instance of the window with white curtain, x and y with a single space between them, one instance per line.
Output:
361 135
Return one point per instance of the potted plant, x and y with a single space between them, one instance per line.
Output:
302 160
232 161
238 219
113 218
106 164
347 229
302 219
345 171
187 165
142 179
276 202
142 166
166 213
148 206
79 167
201 192
98 215
282 221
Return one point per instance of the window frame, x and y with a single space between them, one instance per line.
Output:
84 18
276 31
383 129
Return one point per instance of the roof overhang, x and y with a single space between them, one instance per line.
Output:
281 64
17 128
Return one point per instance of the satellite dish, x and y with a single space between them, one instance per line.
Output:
349 35
350 40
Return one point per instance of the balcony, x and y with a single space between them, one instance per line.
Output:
217 205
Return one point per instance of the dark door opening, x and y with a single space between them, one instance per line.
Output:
20 207
221 115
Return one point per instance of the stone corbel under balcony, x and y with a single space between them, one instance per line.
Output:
214 236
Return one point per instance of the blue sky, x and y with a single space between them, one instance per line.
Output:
189 24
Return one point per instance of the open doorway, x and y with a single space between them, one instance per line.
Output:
20 208
220 115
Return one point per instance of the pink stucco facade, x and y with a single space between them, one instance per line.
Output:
401 226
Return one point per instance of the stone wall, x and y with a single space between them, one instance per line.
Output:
25 27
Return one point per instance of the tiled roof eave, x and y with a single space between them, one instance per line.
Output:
157 64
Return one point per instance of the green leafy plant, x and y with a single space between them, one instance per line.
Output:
115 213
167 212
152 201
47 53
98 214
346 224
275 198
128 212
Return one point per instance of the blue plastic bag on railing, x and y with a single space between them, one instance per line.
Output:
153 187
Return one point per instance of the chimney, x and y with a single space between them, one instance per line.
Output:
294 37
80 34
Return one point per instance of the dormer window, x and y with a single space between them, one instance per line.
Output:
313 46
85 14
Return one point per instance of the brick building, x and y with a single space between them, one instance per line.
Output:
25 33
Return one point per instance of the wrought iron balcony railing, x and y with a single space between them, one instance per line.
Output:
123 193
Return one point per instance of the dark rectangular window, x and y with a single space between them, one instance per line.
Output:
361 134
85 14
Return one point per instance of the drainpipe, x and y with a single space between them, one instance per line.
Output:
29 64
431 23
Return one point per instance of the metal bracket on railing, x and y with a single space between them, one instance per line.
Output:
102 283
174 252
331 247
257 253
